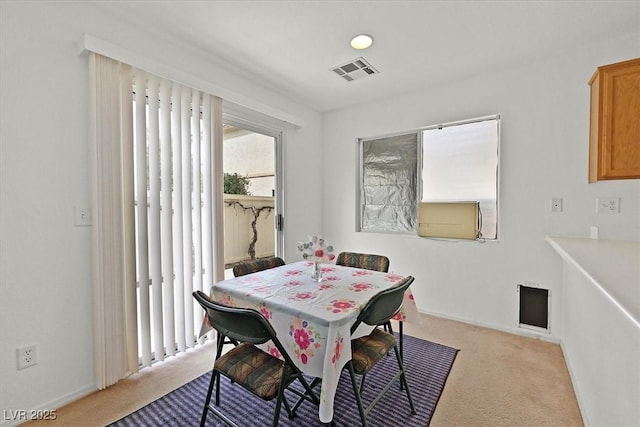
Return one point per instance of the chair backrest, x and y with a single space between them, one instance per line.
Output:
255 265
383 305
240 324
366 261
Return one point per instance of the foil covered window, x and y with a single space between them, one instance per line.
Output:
453 162
388 184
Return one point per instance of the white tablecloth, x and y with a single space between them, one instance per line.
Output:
312 319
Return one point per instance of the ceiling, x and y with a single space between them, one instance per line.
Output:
291 46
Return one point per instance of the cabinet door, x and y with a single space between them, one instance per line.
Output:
615 122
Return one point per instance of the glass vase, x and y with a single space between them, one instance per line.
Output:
317 271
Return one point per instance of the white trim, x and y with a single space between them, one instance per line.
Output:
119 53
253 120
581 403
515 331
240 117
54 404
217 181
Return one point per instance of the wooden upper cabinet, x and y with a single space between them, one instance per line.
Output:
614 136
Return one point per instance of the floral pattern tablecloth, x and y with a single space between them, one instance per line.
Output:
313 319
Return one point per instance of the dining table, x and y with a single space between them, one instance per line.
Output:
312 318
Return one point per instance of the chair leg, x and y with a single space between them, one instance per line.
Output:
287 407
403 380
276 415
308 394
219 344
362 383
208 399
217 389
352 374
400 332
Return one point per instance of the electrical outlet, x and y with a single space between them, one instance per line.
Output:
27 356
608 205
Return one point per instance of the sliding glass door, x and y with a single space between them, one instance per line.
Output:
252 208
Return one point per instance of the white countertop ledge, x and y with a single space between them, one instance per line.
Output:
612 265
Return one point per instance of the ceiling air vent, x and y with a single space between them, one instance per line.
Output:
355 70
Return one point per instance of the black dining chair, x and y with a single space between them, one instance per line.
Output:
365 261
246 365
370 262
241 269
368 350
255 265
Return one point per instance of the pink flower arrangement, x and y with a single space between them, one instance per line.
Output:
316 249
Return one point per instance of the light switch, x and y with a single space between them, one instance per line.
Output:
82 216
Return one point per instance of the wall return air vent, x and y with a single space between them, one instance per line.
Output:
355 70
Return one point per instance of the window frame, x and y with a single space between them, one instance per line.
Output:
419 170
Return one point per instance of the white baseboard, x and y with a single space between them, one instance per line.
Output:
49 406
530 334
516 331
579 398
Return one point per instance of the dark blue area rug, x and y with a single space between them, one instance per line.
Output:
427 364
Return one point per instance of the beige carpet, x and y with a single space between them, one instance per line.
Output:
497 379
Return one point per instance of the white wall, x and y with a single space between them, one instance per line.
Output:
247 153
598 276
544 107
45 261
611 348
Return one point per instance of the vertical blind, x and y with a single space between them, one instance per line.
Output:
175 171
113 245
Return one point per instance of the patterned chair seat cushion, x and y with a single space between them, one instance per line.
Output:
257 371
370 349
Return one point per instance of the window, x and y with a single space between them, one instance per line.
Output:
388 186
456 162
460 163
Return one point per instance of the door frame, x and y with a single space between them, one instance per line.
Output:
236 119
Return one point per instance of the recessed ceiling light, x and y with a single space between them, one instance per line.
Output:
361 41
